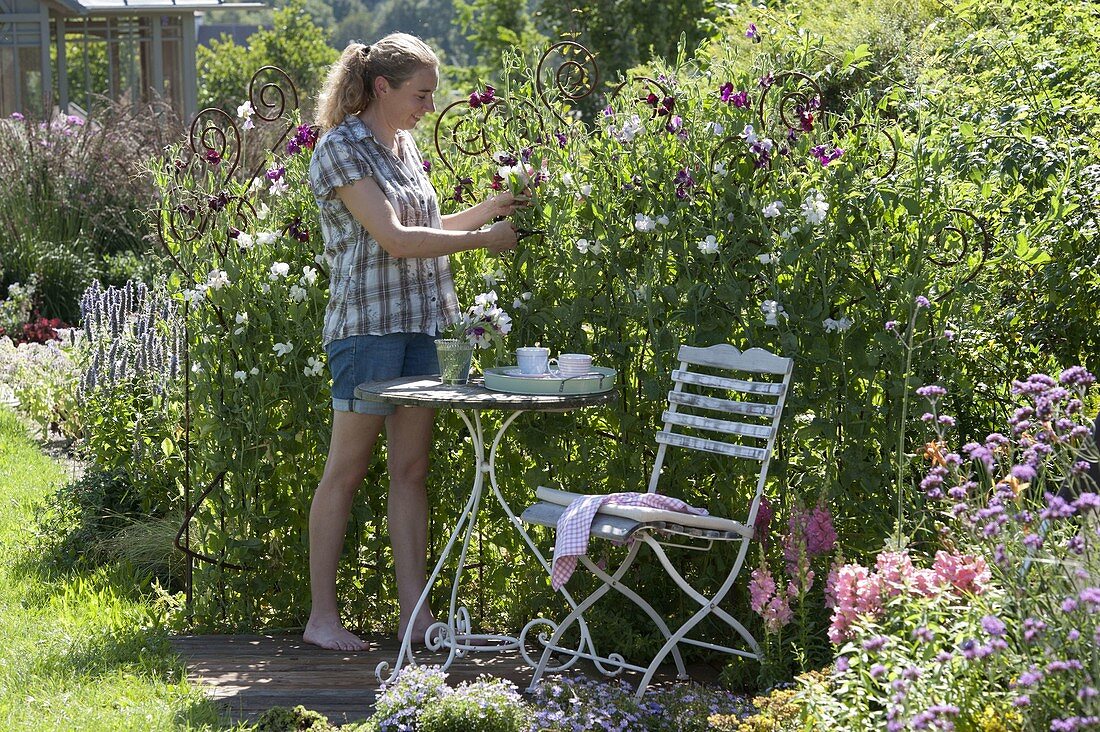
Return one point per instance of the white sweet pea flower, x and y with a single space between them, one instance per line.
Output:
196 368
245 112
263 211
630 129
194 296
719 168
242 320
492 278
240 376
245 241
567 179
298 294
730 216
314 366
764 258
644 223
772 310
662 220
517 304
266 238
773 209
814 208
309 275
837 326
596 248
217 279
254 371
486 300
282 349
278 187
279 269
265 288
255 185
586 189
319 258
788 233
582 246
708 245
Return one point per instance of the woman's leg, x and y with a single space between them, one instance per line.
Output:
409 440
349 454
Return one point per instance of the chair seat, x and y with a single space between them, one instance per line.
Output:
618 523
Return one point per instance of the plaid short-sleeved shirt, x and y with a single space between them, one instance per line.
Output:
370 291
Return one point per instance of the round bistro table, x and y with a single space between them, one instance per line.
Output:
470 400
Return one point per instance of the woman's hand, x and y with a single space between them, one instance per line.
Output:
501 237
505 204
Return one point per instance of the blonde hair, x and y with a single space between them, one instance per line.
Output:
349 86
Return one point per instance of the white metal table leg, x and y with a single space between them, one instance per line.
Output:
439 634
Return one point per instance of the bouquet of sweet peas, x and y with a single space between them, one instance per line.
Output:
484 323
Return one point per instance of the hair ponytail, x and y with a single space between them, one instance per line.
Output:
349 86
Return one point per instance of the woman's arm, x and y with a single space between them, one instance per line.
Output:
370 207
498 206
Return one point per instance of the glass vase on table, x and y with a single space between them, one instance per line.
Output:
484 324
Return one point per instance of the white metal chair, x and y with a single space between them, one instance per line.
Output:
724 402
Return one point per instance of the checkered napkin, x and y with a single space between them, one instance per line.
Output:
576 520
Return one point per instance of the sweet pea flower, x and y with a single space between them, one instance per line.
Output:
265 238
217 279
298 294
309 275
282 349
245 241
245 112
837 326
773 209
279 269
709 245
814 208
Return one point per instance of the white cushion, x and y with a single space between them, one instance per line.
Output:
645 514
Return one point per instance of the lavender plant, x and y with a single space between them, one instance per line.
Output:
132 341
1024 499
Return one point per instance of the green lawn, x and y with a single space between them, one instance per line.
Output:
78 650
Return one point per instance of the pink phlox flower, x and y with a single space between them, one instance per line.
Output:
761 589
963 572
761 526
820 532
777 613
857 592
895 569
830 581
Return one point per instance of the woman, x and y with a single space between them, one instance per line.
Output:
391 293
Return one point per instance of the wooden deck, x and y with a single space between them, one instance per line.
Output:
249 674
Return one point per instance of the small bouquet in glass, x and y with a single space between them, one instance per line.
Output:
484 324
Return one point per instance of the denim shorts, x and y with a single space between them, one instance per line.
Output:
359 359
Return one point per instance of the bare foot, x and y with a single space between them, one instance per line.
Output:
425 621
332 636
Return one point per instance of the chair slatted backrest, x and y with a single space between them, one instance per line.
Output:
726 402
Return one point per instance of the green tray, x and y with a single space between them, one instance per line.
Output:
508 379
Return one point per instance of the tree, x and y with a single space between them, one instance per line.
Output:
295 43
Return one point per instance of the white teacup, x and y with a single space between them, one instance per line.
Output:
533 360
572 364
